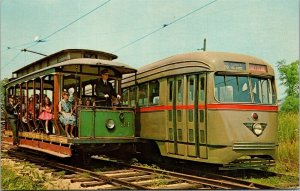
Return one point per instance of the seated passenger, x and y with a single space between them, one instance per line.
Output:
88 102
66 116
31 107
46 114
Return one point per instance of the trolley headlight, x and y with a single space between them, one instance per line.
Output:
110 124
257 129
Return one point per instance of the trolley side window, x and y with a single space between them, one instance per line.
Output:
154 92
125 95
132 96
143 95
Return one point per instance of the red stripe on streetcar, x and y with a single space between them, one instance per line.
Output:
211 107
242 107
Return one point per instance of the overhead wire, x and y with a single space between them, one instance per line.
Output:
164 26
34 43
76 20
12 59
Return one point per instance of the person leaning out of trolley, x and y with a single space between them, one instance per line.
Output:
12 115
105 90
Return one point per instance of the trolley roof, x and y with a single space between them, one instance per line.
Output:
197 62
96 65
63 55
207 60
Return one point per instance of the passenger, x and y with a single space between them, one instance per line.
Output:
79 103
66 116
31 107
37 103
88 102
105 90
46 114
12 115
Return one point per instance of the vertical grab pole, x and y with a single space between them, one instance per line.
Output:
56 101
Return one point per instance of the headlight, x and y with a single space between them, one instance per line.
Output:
110 124
257 129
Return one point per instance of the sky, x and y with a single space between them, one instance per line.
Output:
143 31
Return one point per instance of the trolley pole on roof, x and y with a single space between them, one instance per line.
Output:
204 45
26 50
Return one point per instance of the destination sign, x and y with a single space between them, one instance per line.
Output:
257 68
239 66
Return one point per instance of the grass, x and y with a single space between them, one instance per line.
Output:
12 181
282 182
288 150
288 153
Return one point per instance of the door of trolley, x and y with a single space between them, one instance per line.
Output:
187 128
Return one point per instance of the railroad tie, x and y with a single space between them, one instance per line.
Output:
92 184
81 180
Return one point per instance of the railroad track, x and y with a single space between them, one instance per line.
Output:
226 182
132 177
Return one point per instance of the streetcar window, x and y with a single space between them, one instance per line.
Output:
71 85
179 115
202 92
125 94
191 88
262 90
88 86
143 95
88 90
154 92
132 96
191 115
232 89
244 89
179 91
170 91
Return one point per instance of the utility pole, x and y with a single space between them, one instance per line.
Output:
26 50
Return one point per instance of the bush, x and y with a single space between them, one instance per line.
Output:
12 181
290 104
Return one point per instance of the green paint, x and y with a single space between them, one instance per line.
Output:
92 123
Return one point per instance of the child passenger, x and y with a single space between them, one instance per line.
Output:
46 114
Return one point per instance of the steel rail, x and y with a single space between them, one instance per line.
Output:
96 176
224 183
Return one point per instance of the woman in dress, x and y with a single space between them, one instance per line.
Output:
66 116
46 114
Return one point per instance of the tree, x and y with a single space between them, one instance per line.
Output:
289 77
2 93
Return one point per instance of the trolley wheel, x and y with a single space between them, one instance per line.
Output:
81 158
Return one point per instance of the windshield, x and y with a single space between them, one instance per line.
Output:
244 89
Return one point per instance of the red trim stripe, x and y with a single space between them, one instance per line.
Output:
211 107
242 107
